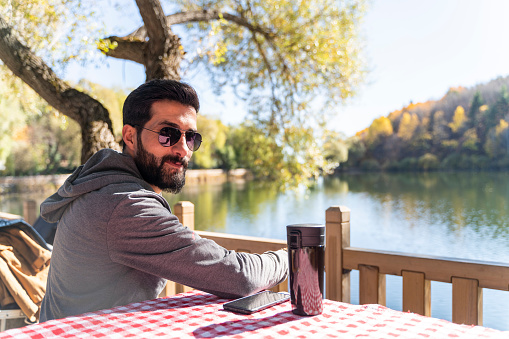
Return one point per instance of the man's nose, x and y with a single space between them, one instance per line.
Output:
181 148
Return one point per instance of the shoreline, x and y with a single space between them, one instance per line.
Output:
43 183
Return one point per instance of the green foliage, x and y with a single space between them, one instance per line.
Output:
297 58
449 145
335 147
47 143
370 165
226 157
471 140
475 106
451 161
356 151
428 162
212 150
10 122
37 139
57 30
256 151
408 164
294 158
439 128
497 141
111 98
499 110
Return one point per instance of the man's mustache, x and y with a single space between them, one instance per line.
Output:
174 158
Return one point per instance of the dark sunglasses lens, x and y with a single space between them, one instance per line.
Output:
169 136
193 140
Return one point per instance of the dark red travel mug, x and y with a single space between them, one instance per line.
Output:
306 259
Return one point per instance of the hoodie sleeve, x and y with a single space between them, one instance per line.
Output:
145 235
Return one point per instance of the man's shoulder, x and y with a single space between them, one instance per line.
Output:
133 193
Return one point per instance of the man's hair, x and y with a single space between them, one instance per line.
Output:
138 104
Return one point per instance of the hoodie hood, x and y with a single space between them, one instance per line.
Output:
104 168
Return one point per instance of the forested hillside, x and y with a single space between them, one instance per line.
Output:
466 129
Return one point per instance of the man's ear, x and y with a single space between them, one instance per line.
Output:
129 137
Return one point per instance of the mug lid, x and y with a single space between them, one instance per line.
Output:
307 230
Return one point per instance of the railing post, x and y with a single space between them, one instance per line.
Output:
416 293
29 211
337 229
466 301
184 210
371 285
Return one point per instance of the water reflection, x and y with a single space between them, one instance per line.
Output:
478 201
433 213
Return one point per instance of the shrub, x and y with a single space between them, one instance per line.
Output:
370 165
428 162
408 164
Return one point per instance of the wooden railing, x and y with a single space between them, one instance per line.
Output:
468 277
184 211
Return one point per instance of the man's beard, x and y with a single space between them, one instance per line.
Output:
152 170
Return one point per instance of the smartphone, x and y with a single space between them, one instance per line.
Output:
256 302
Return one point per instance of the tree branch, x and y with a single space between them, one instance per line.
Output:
33 71
156 26
204 15
123 48
93 117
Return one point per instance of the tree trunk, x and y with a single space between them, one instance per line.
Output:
97 132
165 64
162 52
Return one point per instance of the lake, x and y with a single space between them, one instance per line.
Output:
463 215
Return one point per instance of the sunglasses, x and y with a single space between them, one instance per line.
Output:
169 136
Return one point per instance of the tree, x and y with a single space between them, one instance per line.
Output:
428 162
356 151
380 128
499 110
36 138
215 132
474 113
470 140
10 121
459 120
279 54
294 54
335 147
497 141
439 129
407 126
96 128
47 145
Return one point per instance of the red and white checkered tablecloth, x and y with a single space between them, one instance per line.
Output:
200 315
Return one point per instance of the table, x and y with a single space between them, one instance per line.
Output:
200 315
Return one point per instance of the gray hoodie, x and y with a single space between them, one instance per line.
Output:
117 242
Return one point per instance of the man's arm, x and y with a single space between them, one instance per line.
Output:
144 235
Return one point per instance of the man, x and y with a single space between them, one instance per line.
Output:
117 241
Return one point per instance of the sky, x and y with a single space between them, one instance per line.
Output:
415 51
